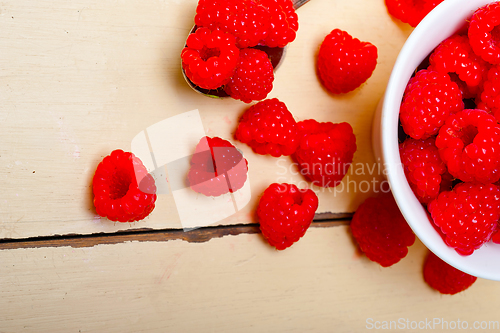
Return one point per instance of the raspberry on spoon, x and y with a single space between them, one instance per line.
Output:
283 22
209 58
247 20
253 78
271 23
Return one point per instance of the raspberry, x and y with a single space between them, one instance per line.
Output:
430 97
266 22
469 143
269 128
285 213
467 215
489 99
245 19
445 278
455 57
325 151
123 189
344 63
484 32
283 22
423 167
209 58
217 167
381 230
410 11
253 78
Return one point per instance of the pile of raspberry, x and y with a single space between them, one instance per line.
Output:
448 114
323 152
450 148
225 50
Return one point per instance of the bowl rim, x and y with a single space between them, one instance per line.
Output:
439 24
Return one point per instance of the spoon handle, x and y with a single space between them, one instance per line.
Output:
299 3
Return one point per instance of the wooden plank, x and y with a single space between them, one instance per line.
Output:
229 284
81 78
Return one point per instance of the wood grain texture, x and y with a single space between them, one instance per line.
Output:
81 78
229 284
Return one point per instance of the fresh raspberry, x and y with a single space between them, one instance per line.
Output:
344 62
217 167
123 189
454 56
489 99
325 151
381 230
467 215
269 128
484 32
468 144
283 22
423 167
445 278
247 20
253 78
285 213
430 97
209 58
253 22
410 11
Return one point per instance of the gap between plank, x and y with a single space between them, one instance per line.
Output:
199 235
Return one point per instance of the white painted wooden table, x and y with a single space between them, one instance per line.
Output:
81 78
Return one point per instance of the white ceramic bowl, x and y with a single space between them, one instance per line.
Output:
441 23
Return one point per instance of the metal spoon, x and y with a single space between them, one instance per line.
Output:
275 54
